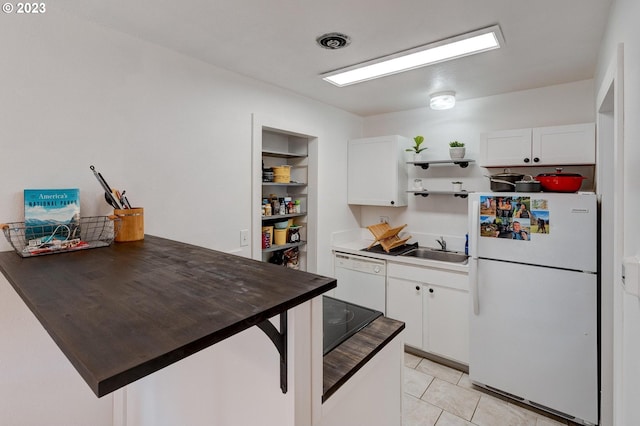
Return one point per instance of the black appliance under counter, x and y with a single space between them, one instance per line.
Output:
122 312
352 336
341 320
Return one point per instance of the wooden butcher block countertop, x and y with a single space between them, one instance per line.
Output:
122 312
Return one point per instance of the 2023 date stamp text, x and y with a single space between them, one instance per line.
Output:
24 8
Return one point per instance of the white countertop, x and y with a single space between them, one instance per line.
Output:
355 246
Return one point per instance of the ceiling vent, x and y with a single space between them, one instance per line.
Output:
333 41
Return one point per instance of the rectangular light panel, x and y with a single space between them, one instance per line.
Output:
456 47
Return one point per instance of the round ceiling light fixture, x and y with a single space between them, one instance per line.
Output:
333 41
442 100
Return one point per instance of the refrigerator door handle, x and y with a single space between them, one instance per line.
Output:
473 267
474 228
473 282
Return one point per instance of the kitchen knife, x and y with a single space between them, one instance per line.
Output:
107 190
109 200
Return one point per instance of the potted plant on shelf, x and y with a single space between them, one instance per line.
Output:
417 149
456 150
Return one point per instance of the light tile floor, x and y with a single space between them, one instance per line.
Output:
436 395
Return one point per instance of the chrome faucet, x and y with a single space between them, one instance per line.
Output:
443 243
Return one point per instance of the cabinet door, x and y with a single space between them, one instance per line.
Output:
505 148
446 322
377 174
404 303
575 144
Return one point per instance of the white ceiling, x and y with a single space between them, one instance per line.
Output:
547 42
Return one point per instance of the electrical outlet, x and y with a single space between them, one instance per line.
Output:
244 237
384 219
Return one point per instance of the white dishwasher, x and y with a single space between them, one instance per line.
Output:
361 280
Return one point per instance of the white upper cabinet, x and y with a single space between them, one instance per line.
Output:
377 173
505 148
542 146
575 144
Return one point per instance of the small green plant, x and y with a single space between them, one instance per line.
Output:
456 144
416 148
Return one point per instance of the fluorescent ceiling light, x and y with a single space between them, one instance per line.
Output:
456 47
442 100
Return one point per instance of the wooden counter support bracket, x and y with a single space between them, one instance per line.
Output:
279 338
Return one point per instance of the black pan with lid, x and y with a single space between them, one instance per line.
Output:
504 182
528 185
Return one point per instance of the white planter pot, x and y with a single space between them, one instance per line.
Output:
456 153
417 157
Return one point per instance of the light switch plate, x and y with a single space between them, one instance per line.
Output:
244 237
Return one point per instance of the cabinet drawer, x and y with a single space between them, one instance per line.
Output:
425 275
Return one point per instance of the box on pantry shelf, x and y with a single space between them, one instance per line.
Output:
282 174
268 230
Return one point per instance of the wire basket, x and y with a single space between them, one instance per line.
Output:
89 232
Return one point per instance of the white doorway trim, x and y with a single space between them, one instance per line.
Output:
610 189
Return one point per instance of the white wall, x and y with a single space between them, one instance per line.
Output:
445 215
174 132
623 28
38 385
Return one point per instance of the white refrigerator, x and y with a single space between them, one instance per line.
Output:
534 285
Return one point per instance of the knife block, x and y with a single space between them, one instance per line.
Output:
132 224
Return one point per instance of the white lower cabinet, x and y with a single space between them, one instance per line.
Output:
404 303
434 304
446 322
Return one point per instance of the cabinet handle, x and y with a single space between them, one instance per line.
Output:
536 160
526 160
418 287
393 202
430 290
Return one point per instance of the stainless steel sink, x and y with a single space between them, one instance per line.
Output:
440 255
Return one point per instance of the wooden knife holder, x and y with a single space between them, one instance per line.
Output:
132 228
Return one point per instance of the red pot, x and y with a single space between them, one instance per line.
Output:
560 182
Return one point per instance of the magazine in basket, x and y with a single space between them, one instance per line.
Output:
51 214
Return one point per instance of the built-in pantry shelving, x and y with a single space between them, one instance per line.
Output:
292 151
